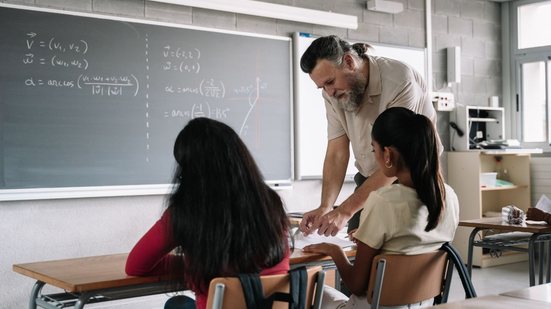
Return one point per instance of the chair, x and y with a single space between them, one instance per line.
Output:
406 279
226 292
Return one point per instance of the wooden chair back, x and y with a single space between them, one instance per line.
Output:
406 279
226 292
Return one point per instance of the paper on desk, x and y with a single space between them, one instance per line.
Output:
536 222
341 239
544 203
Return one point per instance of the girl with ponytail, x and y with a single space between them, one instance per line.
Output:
415 215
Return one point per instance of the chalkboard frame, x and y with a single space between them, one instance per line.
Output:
148 189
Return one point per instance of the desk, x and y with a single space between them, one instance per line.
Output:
541 234
539 292
102 278
493 301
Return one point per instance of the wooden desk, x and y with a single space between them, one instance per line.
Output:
493 301
541 234
102 278
539 292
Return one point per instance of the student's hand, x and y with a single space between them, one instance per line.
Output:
310 220
323 248
332 222
538 215
351 236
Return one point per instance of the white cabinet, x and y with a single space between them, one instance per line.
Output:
464 169
477 123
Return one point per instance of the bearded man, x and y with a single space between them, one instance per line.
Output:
357 87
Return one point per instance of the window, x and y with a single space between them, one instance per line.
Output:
532 19
531 58
533 95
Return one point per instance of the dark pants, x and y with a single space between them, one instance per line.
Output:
180 302
354 222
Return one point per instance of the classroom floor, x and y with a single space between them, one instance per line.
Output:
487 281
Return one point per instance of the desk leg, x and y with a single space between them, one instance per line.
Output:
541 258
532 259
82 300
337 280
34 293
548 261
470 250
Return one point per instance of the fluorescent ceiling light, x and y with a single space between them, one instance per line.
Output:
271 10
385 6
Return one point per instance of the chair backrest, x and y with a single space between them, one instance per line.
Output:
406 279
227 293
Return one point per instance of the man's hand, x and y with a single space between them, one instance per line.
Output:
309 221
332 222
328 224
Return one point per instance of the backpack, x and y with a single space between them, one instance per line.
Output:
254 297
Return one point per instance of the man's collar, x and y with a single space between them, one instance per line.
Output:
374 86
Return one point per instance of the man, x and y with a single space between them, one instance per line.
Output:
356 87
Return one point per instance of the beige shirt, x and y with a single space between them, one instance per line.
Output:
394 220
391 83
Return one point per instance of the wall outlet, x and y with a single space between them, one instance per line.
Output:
443 101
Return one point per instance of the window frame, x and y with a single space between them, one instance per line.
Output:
518 57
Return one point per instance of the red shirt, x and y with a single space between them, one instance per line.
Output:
150 256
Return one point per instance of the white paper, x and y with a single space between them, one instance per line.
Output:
536 222
544 204
341 239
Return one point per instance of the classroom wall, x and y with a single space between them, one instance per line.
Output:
54 229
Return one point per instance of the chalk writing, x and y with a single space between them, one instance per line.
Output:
65 55
77 46
199 110
181 59
109 85
170 52
49 82
212 88
182 67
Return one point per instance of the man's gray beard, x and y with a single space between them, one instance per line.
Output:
354 98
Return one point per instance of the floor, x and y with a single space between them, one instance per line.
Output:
487 281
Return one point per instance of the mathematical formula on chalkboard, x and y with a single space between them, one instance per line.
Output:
90 101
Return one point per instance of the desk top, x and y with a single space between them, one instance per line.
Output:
107 271
539 292
498 224
493 301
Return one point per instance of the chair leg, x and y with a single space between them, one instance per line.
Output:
320 282
378 284
447 284
461 270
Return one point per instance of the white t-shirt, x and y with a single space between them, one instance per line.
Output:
394 220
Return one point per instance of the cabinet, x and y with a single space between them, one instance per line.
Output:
477 123
464 169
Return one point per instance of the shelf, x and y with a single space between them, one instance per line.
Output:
502 188
507 257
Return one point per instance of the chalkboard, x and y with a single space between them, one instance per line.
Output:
310 120
92 101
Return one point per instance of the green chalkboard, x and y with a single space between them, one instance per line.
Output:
91 101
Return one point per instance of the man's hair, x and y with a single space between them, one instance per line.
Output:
332 48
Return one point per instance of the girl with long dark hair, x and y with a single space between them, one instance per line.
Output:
222 219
